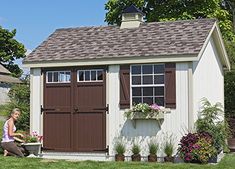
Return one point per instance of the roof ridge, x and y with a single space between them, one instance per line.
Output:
160 22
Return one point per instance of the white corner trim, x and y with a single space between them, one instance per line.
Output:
113 61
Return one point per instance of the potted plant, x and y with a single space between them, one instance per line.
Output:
135 152
168 149
119 149
32 143
153 148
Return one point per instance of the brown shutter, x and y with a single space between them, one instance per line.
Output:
124 86
170 85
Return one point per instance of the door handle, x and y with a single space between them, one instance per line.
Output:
76 110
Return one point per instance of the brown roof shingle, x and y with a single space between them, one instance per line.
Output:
150 39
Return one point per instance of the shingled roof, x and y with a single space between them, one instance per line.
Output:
150 39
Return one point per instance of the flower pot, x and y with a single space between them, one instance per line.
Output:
119 157
32 148
152 158
169 159
136 157
231 144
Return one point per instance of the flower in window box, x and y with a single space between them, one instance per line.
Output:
143 110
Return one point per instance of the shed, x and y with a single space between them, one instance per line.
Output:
82 80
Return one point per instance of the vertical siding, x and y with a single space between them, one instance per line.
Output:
35 99
208 80
175 122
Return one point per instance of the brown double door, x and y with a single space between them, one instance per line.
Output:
74 110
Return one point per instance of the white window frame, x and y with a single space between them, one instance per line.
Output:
146 85
64 71
90 70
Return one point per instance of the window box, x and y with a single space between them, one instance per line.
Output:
143 111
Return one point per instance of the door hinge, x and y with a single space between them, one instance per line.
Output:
107 108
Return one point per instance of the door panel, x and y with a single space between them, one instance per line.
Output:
90 117
57 131
89 127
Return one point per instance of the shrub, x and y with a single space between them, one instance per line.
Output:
19 98
197 147
211 122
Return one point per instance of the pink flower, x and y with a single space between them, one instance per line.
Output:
155 107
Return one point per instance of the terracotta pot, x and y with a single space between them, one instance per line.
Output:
136 157
169 159
152 158
119 157
231 144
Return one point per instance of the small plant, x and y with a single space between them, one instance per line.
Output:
120 149
168 148
136 152
135 149
32 138
153 148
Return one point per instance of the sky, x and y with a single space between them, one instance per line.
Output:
35 20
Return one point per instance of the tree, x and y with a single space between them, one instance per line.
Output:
10 50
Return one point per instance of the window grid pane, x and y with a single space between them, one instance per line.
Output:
93 75
149 79
58 77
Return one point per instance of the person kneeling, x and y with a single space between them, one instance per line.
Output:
9 135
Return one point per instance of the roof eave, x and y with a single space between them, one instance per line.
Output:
113 61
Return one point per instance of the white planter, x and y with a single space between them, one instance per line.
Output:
33 148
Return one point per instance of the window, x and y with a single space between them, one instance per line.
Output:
93 75
58 76
147 84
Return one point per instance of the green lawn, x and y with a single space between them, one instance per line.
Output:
10 162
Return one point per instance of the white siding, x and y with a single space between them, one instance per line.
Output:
175 122
4 89
35 99
208 80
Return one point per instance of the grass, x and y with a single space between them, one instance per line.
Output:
11 162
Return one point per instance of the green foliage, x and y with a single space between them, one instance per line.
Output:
10 50
143 108
168 148
229 84
158 10
19 98
115 8
119 147
153 147
135 149
210 121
